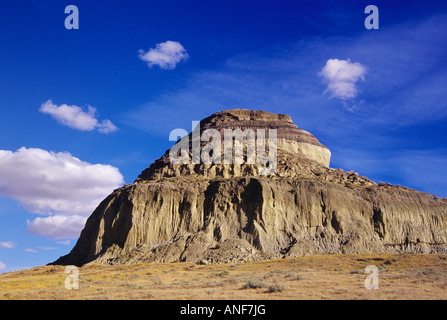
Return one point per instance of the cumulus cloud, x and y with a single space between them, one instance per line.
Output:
76 118
57 185
57 226
2 266
166 55
46 181
341 77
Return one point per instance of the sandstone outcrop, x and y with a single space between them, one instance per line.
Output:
216 213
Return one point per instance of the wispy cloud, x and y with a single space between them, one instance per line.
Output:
423 170
74 117
66 242
55 184
166 55
46 248
41 248
7 244
106 126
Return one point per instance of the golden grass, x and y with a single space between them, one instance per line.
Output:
407 276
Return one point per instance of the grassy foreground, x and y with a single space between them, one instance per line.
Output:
407 276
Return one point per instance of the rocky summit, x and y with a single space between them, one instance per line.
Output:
210 207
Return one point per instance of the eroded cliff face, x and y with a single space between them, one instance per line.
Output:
229 213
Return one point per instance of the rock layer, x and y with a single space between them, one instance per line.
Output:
214 213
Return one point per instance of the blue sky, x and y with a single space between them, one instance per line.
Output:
85 111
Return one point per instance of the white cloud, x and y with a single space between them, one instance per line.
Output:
341 77
7 244
106 126
75 118
55 184
66 242
166 55
30 250
47 182
57 226
2 266
46 248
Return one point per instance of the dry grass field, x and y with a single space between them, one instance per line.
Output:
407 277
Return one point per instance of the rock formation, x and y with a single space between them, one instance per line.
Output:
220 212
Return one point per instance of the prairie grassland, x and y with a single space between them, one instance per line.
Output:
407 276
